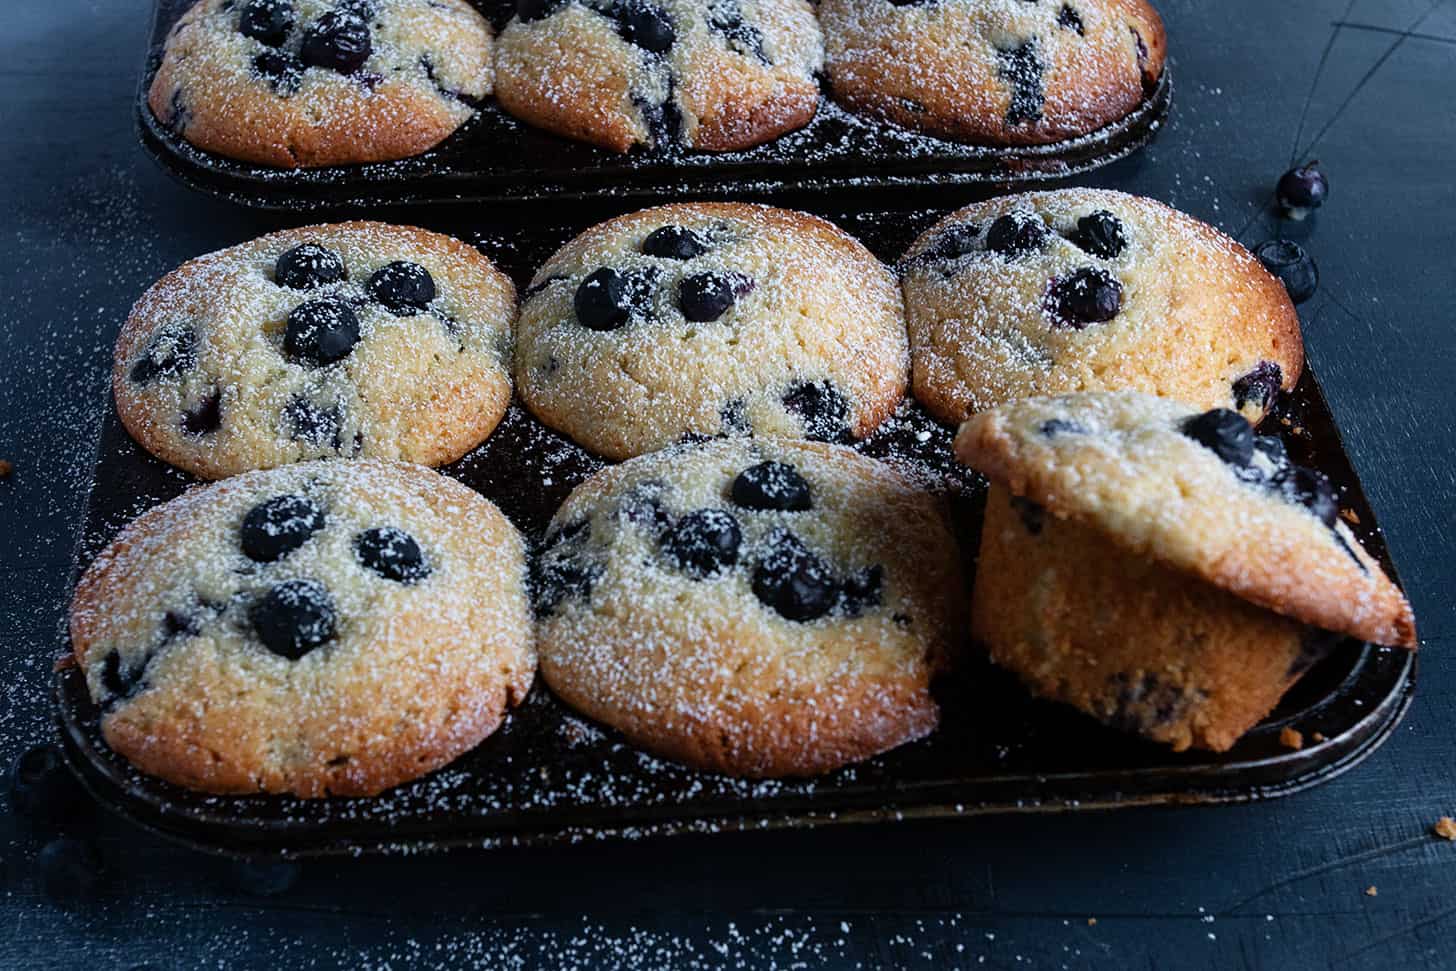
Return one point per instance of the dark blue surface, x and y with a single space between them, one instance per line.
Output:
1361 84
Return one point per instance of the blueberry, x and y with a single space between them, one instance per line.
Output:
793 581
1225 432
121 681
404 288
1314 492
703 542
294 617
726 18
308 265
268 21
705 297
642 507
276 527
204 417
1087 296
955 242
1273 450
674 243
69 869
861 591
1101 234
1303 189
1053 427
282 71
313 425
1070 19
1022 68
392 553
822 411
321 332
552 583
1017 234
1033 515
771 485
42 788
171 352
263 879
645 25
1288 261
529 10
1260 386
603 300
339 41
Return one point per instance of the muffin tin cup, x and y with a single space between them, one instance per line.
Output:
549 776
495 158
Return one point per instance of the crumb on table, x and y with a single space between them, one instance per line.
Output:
6 468
1371 891
1291 738
1445 828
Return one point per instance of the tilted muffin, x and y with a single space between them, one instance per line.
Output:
1164 570
329 628
302 83
1092 290
354 339
1004 72
711 319
712 75
761 608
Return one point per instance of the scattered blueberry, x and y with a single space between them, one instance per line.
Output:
1225 432
603 300
308 265
1070 19
793 581
1288 261
263 879
1021 67
1033 515
1145 703
276 527
120 680
1086 296
313 425
1053 427
552 583
703 542
321 332
1314 492
529 10
822 411
1302 190
1260 386
282 71
180 624
42 788
957 241
771 485
294 617
642 507
674 243
339 41
861 591
1273 450
1101 234
69 869
725 17
204 417
171 352
404 288
645 25
392 553
268 21
1017 234
705 297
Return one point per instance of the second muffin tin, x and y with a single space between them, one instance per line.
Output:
496 158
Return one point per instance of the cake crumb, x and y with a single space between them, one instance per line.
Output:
1291 738
1445 828
1350 516
6 468
1370 891
1091 921
1318 736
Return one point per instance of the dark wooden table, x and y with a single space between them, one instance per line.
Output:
1364 85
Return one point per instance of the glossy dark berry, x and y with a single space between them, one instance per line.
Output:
1021 68
955 242
276 527
793 581
339 41
727 20
771 485
171 352
321 332
1260 386
120 680
822 411
263 878
392 553
703 542
529 10
1273 450
705 297
404 288
674 243
69 869
1288 261
268 21
645 25
1314 492
861 591
1225 432
1101 234
282 71
1069 18
1086 296
294 617
42 788
603 300
205 416
1302 190
308 265
1017 234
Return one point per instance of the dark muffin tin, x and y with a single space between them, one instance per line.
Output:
496 158
550 776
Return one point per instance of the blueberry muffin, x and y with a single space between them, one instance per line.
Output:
355 339
762 608
1092 290
1165 570
328 628
301 83
711 319
1000 72
711 75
